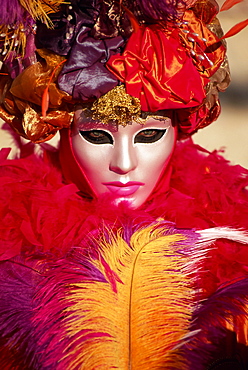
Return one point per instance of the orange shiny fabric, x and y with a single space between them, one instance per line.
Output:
31 83
21 106
162 66
39 129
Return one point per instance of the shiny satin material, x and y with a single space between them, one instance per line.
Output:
206 58
15 61
206 11
39 129
157 69
34 127
104 19
160 66
192 119
6 117
60 40
29 86
124 161
85 76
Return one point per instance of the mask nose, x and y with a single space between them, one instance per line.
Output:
124 157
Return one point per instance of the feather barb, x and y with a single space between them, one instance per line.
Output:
139 320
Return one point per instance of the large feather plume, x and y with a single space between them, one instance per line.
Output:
123 301
134 318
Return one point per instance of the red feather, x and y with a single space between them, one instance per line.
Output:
228 4
235 29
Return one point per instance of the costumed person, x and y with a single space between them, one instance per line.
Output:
125 248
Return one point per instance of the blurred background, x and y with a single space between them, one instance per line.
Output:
230 131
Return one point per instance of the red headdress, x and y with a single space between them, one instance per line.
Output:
167 55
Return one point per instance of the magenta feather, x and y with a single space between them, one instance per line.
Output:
38 304
211 320
210 193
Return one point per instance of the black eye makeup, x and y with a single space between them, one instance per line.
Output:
149 136
97 136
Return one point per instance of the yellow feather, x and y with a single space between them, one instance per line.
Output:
13 38
39 9
147 316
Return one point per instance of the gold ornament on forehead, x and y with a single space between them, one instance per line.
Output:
116 107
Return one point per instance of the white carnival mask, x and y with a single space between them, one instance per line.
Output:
126 162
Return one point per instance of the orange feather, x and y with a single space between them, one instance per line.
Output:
136 309
228 4
136 318
235 29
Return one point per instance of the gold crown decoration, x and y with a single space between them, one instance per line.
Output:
116 106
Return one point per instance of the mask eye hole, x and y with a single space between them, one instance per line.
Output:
149 135
97 137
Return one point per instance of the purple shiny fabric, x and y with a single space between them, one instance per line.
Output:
14 64
66 25
86 33
60 38
85 76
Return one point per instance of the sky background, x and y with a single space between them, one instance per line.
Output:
230 131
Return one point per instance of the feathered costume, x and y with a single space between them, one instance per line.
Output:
88 285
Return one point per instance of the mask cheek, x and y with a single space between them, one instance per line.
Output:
71 168
94 162
163 181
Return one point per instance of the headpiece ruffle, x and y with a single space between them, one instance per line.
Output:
168 62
